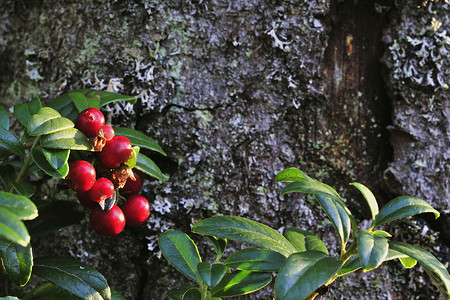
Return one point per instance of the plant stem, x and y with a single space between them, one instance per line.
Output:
351 250
26 163
204 291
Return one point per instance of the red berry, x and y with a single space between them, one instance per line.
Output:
116 151
85 200
109 222
89 121
103 188
133 186
136 210
108 132
81 176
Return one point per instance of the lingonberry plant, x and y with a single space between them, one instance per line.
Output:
104 159
305 268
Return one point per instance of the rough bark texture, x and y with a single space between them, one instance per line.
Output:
235 91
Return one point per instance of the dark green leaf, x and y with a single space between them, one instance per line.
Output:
21 206
24 189
303 273
80 101
408 262
146 165
303 240
372 249
179 249
245 230
139 139
49 291
12 228
71 138
178 292
109 97
74 277
8 175
370 198
17 260
254 259
54 216
211 274
4 118
46 121
24 111
42 163
65 106
401 207
57 158
192 294
9 142
219 245
291 175
241 283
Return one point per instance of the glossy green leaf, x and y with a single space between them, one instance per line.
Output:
382 233
10 142
372 249
24 111
54 216
131 162
245 230
42 163
109 97
19 205
24 189
139 139
46 121
76 278
370 198
57 158
192 294
241 283
65 106
219 245
49 291
71 138
434 267
303 240
17 260
211 274
408 262
179 249
147 166
12 228
7 175
80 101
311 187
303 273
291 175
254 259
179 292
4 118
401 207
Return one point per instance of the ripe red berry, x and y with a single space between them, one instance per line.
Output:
133 186
109 222
89 121
85 200
108 132
136 210
103 188
81 176
116 151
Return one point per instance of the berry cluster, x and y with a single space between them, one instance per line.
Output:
97 187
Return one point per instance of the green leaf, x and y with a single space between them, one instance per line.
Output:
408 262
179 292
291 175
80 101
401 207
54 216
24 189
147 166
9 298
46 121
65 106
74 277
372 249
57 158
4 118
303 240
436 269
382 233
311 187
245 230
131 162
370 198
24 111
241 283
139 139
108 97
211 274
9 142
192 294
12 228
254 259
71 138
19 205
303 273
17 260
115 295
219 245
49 291
179 249
7 175
42 163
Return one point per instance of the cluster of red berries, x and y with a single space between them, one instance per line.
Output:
96 187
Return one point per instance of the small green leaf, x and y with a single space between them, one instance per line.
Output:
10 142
219 245
42 163
370 198
19 205
253 259
24 189
408 262
49 291
76 278
139 139
46 121
192 294
382 233
17 260
401 207
4 118
240 283
178 292
211 274
131 162
80 101
146 165
12 228
303 240
245 230
291 175
71 138
24 111
57 158
303 273
179 249
108 97
372 249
